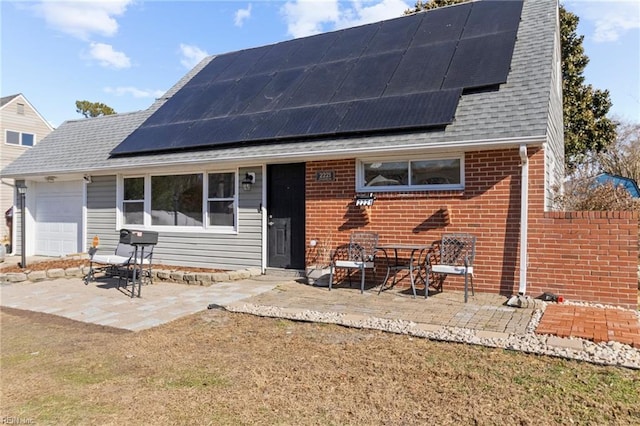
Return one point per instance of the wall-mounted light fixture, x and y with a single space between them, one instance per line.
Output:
21 186
248 181
50 179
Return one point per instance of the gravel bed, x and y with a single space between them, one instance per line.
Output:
604 353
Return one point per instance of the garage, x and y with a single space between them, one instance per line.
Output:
58 218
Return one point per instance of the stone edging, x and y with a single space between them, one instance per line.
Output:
603 353
177 276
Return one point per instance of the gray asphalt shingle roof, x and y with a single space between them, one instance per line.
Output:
6 99
518 110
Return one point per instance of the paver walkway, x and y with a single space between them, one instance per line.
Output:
484 311
102 303
592 323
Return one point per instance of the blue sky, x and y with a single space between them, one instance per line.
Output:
125 53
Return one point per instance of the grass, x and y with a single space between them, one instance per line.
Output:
220 368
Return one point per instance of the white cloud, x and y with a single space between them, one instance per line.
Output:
107 57
242 15
611 18
191 55
134 91
308 17
83 18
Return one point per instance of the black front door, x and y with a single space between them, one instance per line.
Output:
285 215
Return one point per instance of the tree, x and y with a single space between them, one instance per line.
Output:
93 109
587 129
431 4
621 158
586 126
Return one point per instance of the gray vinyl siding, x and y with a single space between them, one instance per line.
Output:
101 212
223 251
206 249
554 155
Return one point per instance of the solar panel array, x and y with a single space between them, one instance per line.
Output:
399 74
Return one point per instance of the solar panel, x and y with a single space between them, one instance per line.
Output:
351 43
297 122
165 137
211 70
398 74
424 66
277 91
490 17
442 24
237 96
328 118
197 107
401 112
275 57
311 50
221 130
481 61
361 83
394 34
243 61
319 84
182 99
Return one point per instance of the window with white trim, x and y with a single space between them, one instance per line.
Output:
221 207
20 138
438 173
133 201
187 201
176 200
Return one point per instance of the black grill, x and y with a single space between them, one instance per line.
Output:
133 237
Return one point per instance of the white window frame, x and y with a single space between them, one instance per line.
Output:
360 181
217 229
123 201
20 136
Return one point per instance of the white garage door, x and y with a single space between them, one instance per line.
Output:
58 218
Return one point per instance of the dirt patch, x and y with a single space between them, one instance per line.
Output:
75 263
221 368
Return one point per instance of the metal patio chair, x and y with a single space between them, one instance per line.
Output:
358 254
457 253
120 264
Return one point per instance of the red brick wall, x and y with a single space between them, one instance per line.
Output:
586 256
489 208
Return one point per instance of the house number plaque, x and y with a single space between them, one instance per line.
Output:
325 176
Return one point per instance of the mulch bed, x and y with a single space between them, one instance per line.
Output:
76 263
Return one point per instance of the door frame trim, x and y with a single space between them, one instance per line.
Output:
266 208
263 214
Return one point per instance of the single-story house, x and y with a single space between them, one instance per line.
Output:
451 118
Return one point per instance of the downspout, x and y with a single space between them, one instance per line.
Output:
524 219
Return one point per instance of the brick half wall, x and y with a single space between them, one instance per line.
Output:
585 256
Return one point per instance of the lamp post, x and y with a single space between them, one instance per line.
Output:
22 191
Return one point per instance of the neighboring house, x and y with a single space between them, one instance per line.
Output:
21 128
451 117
